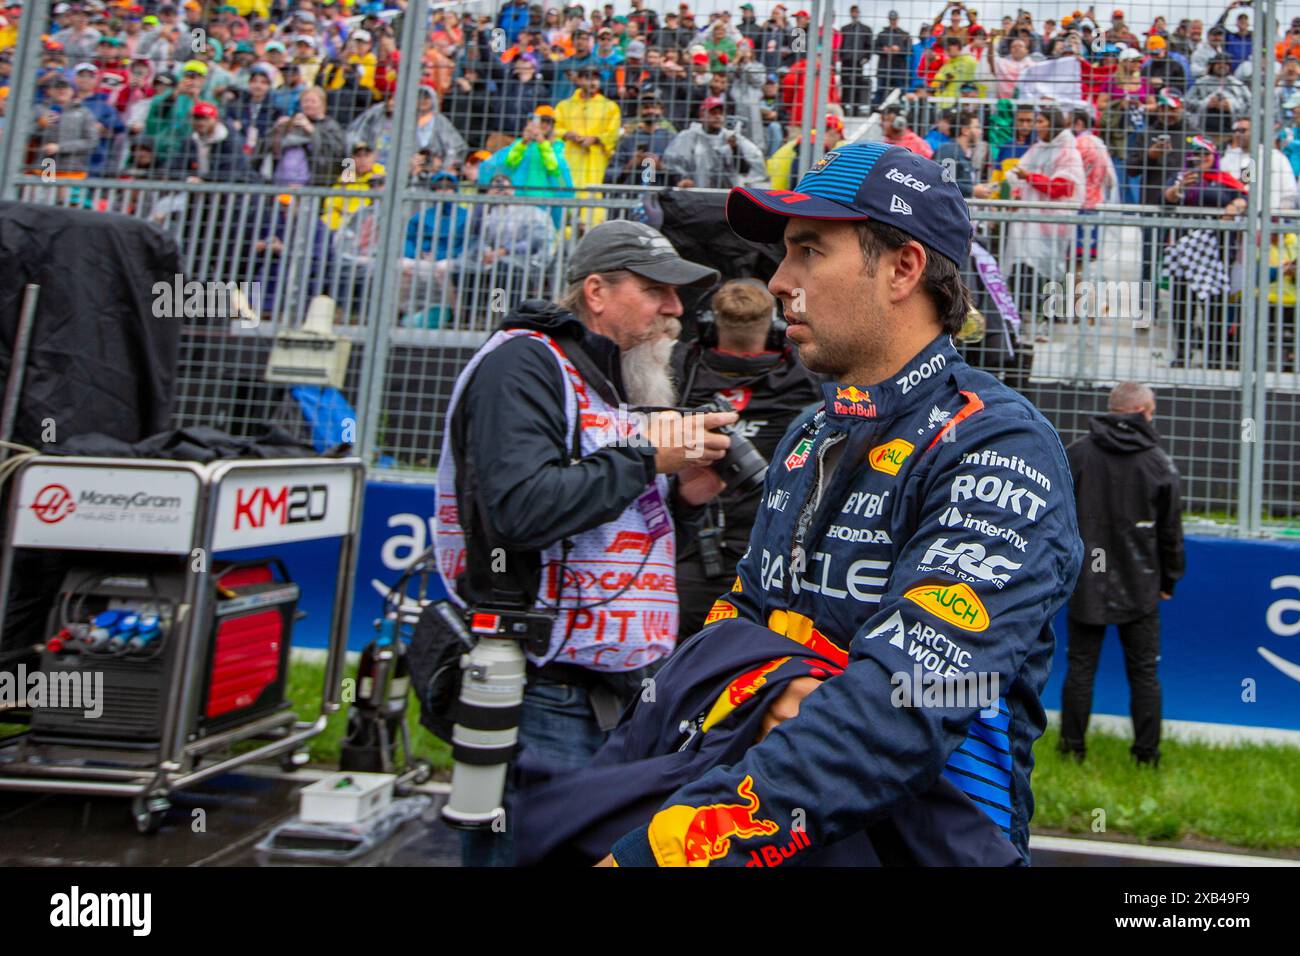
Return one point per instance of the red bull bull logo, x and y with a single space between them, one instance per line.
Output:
740 690
695 836
853 401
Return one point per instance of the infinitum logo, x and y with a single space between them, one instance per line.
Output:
77 909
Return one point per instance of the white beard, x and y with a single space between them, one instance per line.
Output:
647 375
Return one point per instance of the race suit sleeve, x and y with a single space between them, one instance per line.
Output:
530 494
853 755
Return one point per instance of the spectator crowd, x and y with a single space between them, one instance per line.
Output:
552 101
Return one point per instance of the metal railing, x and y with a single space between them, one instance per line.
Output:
420 279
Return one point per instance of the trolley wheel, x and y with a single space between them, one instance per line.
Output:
424 774
149 813
293 760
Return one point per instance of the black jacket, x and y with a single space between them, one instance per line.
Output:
769 391
710 699
1130 519
511 429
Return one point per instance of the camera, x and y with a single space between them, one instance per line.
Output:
743 469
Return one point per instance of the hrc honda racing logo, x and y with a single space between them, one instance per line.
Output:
968 560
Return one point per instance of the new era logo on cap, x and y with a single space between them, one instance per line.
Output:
859 182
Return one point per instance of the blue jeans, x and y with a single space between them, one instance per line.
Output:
557 724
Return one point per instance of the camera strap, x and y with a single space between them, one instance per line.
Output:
508 588
591 373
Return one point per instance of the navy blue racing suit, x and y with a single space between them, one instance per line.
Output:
924 530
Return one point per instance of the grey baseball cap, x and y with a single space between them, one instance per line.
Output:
636 247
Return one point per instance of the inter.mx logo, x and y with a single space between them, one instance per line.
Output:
53 503
289 504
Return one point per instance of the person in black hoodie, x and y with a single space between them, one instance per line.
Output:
469 105
523 491
1130 519
737 360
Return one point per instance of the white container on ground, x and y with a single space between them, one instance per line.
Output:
346 797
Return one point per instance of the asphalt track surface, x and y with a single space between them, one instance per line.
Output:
239 809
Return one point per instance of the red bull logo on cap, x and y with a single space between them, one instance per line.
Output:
695 836
825 161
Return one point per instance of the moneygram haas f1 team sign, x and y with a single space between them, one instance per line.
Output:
157 507
107 508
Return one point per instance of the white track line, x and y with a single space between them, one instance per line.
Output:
1154 854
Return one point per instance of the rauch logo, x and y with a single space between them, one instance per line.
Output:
53 503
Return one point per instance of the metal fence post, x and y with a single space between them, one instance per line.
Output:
22 86
1262 145
387 271
1247 504
825 49
809 48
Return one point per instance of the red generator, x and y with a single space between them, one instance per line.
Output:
248 661
245 667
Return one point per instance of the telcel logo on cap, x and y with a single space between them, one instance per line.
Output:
906 179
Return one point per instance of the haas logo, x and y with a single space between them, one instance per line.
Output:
52 504
738 397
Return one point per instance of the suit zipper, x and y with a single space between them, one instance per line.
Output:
811 502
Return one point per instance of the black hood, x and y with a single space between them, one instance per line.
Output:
543 316
1124 434
559 323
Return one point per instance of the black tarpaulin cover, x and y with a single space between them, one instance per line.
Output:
99 361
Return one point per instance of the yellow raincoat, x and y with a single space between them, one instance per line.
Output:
1281 253
339 209
596 116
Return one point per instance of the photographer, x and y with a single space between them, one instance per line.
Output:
548 502
742 359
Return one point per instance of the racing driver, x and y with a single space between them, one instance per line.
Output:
919 523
